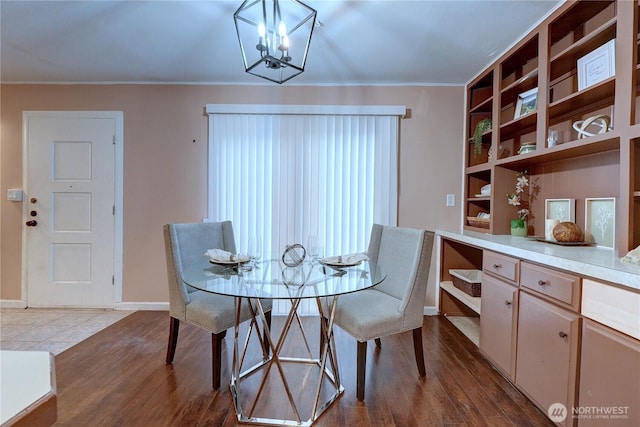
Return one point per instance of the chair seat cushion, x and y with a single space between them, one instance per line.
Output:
217 313
369 314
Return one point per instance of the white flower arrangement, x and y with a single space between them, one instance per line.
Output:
515 199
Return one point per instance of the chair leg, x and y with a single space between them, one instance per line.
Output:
361 369
417 348
174 327
267 317
216 357
378 343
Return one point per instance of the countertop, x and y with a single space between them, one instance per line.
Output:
587 261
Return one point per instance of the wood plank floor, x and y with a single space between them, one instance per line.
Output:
118 378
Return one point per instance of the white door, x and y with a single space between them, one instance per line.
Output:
69 203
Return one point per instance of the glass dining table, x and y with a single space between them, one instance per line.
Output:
272 280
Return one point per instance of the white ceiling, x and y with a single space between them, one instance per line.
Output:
361 42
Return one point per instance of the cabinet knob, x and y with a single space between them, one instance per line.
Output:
497 266
541 282
507 303
563 335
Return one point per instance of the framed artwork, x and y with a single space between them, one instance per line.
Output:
527 103
561 209
597 65
600 221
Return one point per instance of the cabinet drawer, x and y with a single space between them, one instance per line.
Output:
556 285
501 265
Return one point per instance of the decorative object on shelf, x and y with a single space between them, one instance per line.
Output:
294 255
502 152
519 226
549 225
597 65
568 232
527 147
482 127
632 257
601 120
560 209
527 103
481 221
468 281
485 190
600 221
274 37
552 139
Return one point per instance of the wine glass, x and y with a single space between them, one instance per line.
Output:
255 249
313 247
552 140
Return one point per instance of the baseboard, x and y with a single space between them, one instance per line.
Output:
430 311
9 303
142 306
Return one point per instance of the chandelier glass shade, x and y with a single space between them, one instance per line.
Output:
274 37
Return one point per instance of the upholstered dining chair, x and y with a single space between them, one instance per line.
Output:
395 305
186 244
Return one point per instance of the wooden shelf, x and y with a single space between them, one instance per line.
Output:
547 58
565 60
473 303
521 125
483 107
581 147
589 99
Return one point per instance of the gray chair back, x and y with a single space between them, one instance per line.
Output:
185 245
405 254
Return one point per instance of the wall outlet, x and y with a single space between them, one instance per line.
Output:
451 199
14 195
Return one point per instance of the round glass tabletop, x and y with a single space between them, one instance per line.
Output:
273 280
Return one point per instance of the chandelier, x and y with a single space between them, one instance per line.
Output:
274 37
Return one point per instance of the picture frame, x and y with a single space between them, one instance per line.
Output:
597 65
526 103
600 221
564 210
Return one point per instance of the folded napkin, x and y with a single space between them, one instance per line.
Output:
347 259
220 255
633 257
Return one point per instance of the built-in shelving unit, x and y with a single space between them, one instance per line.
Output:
603 165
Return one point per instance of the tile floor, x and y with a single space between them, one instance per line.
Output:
53 330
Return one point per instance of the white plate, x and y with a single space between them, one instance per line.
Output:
330 263
242 260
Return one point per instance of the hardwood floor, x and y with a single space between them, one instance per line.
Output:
118 377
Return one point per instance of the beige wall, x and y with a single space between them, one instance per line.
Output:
165 171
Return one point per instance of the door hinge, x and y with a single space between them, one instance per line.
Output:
114 140
113 280
114 209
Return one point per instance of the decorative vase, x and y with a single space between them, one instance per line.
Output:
518 227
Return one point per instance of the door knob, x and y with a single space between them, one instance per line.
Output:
33 213
31 223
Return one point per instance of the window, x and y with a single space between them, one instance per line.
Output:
285 173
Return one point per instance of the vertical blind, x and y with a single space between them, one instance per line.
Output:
284 177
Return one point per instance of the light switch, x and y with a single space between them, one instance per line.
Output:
451 199
15 195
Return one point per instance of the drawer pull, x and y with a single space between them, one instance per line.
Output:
541 282
497 266
563 335
507 303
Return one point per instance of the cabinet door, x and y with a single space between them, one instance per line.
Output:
546 363
498 323
609 377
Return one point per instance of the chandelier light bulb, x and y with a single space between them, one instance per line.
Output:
261 30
